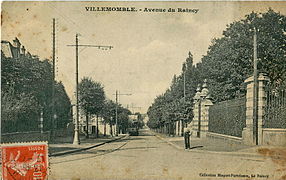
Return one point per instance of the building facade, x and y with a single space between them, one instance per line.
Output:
13 50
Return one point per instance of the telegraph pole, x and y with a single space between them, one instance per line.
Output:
199 119
184 85
53 84
183 122
184 94
41 121
116 110
255 90
76 140
116 113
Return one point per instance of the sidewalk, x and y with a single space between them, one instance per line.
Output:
208 144
59 149
218 146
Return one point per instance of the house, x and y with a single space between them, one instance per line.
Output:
102 127
14 50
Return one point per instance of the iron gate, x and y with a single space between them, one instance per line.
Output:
275 108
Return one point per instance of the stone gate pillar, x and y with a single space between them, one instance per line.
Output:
195 123
247 133
202 103
206 104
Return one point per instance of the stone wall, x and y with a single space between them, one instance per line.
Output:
274 137
232 139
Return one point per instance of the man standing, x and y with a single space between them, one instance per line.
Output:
187 138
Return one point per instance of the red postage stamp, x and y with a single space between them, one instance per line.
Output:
25 161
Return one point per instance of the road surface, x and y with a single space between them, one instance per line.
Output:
147 157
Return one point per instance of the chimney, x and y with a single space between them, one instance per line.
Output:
23 50
29 55
16 43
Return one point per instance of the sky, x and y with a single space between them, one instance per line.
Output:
149 47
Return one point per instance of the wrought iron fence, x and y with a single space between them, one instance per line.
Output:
228 117
275 108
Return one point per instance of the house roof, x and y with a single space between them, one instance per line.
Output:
9 50
6 48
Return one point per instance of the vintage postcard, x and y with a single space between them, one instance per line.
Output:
140 90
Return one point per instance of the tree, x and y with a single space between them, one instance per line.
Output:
62 106
123 118
18 112
91 99
228 62
28 81
108 114
229 59
172 106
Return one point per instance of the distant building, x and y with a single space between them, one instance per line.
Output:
102 127
92 126
14 50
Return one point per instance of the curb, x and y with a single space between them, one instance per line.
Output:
86 148
211 152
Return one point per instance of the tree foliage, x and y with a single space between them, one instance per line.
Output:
91 99
93 102
228 62
26 89
109 112
109 115
91 96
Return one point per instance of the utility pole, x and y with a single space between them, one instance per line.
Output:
255 90
116 113
184 94
53 84
41 122
116 110
200 117
76 140
184 85
183 123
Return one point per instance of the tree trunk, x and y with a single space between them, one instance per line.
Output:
104 131
182 128
97 126
111 133
169 129
179 128
86 117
